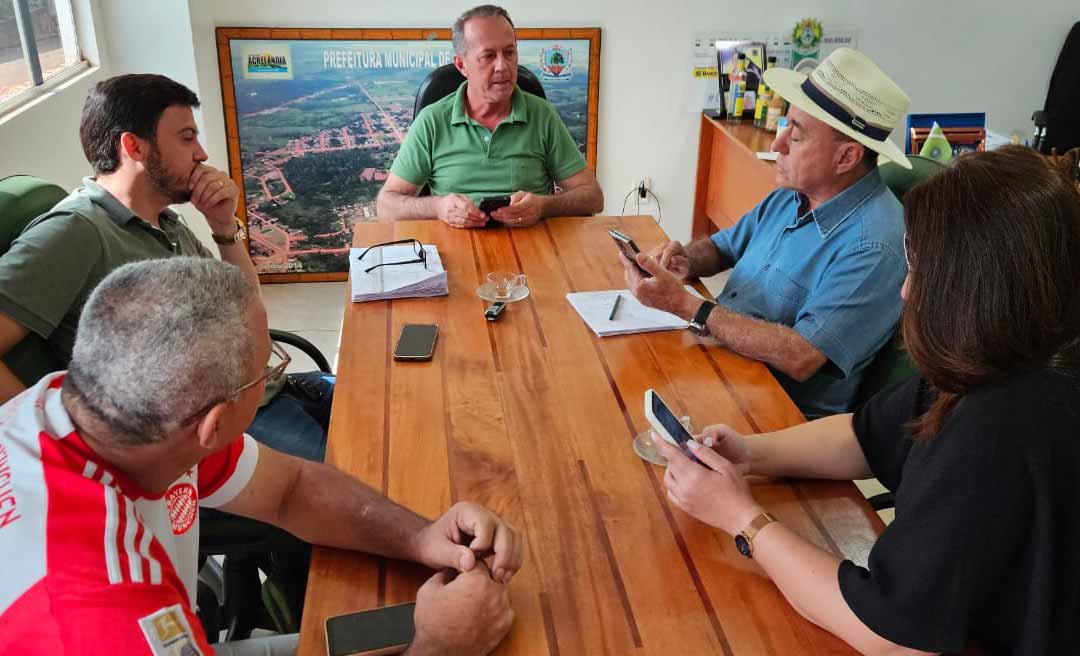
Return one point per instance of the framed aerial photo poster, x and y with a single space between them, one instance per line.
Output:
314 118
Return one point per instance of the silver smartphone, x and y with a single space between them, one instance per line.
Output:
629 249
667 425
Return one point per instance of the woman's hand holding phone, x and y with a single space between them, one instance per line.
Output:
717 494
729 443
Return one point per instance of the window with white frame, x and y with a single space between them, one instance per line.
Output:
38 41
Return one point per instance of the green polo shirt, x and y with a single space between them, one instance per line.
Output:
452 153
62 255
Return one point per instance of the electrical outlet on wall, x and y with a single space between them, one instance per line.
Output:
637 183
635 203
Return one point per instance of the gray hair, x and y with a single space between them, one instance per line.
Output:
482 11
158 342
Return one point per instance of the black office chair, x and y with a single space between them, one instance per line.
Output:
446 79
230 596
229 592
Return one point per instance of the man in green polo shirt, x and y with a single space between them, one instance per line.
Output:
488 139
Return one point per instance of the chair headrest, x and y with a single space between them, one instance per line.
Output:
22 199
445 80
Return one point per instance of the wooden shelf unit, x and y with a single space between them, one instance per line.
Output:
730 178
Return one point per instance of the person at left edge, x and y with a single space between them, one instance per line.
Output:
488 139
104 467
139 134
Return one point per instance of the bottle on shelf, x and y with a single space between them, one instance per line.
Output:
774 111
738 90
764 95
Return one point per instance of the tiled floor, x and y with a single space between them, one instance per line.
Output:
315 310
311 310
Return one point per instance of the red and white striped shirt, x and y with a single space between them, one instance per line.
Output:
93 564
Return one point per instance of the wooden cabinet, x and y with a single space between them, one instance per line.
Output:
730 178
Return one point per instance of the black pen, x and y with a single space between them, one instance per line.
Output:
614 307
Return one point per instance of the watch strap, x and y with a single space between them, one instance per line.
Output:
746 547
234 238
759 522
699 324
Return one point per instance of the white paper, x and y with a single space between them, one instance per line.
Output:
631 317
767 155
777 44
702 83
398 281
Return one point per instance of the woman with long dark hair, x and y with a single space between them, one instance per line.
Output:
982 448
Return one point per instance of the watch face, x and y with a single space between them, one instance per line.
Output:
743 545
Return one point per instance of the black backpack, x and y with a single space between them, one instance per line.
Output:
1063 98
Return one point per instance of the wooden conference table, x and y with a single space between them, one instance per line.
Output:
533 416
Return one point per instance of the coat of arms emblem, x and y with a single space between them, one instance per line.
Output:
556 63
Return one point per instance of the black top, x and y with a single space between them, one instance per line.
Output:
985 547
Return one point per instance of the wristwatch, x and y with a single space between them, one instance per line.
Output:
744 541
234 238
698 324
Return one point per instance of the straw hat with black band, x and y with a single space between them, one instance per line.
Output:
849 93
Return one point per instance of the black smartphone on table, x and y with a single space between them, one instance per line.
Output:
629 249
417 342
489 204
376 632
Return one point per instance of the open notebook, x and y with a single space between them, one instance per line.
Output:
398 281
631 317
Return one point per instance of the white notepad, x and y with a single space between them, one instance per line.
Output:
397 281
631 317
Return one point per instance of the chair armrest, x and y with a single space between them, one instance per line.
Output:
309 349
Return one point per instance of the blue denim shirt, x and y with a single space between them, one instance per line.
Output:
833 274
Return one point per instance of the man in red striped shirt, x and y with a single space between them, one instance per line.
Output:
103 469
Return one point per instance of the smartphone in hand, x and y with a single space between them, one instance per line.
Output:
667 425
629 249
489 204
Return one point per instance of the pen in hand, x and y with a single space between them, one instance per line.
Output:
615 307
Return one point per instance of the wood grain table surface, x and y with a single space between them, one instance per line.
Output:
533 416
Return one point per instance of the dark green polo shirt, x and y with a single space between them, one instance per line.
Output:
51 268
452 153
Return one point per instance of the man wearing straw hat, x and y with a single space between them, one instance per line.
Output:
816 267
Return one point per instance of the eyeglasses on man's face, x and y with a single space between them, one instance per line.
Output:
275 368
279 361
418 248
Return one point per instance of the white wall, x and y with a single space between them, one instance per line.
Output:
43 139
155 37
949 57
149 37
